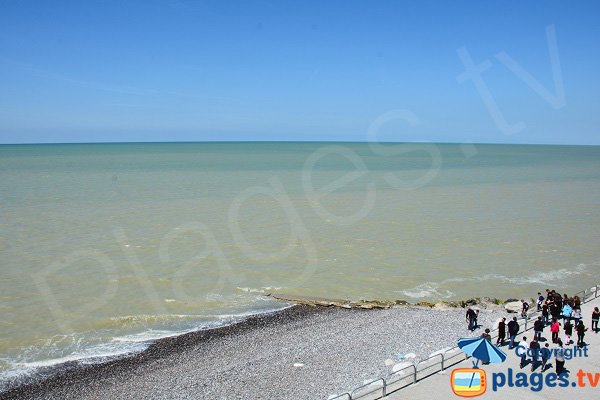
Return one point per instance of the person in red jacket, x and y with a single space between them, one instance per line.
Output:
555 328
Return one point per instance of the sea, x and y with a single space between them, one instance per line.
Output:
105 248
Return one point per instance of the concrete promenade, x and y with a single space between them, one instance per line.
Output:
438 386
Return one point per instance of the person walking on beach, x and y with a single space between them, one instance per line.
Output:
595 318
524 308
471 318
559 358
568 332
546 353
502 332
523 348
534 352
554 328
513 331
580 333
538 327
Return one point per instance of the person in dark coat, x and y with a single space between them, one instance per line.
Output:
471 318
568 332
501 332
538 327
546 354
534 349
513 330
580 333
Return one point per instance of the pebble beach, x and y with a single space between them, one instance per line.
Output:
302 352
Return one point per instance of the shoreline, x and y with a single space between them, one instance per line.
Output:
327 327
158 348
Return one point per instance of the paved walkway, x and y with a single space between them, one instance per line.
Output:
438 386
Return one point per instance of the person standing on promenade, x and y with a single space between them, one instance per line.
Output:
538 327
566 312
534 352
546 353
595 318
568 332
554 310
576 315
546 313
560 358
554 328
580 333
524 308
502 332
523 349
471 318
513 330
540 301
576 302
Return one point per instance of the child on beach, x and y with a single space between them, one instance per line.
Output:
595 318
554 328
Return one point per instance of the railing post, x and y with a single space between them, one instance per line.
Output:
596 295
442 361
384 387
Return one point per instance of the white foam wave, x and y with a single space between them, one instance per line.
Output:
264 289
427 289
432 289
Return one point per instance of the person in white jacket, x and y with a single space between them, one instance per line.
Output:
522 350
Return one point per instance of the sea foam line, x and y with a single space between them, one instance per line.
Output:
430 289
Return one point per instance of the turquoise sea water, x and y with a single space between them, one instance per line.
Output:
107 246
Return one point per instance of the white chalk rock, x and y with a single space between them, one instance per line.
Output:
298 365
410 355
389 362
513 307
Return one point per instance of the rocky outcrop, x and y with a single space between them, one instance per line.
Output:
479 303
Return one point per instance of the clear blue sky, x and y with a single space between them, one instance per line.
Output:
89 71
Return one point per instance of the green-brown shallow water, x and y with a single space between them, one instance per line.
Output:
106 246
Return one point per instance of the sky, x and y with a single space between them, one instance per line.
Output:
461 71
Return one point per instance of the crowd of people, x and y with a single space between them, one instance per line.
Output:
561 313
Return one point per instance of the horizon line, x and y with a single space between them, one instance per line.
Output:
289 141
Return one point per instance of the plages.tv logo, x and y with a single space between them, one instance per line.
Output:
468 382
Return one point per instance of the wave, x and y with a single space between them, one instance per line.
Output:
433 289
62 352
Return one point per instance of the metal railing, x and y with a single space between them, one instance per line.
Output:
381 387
